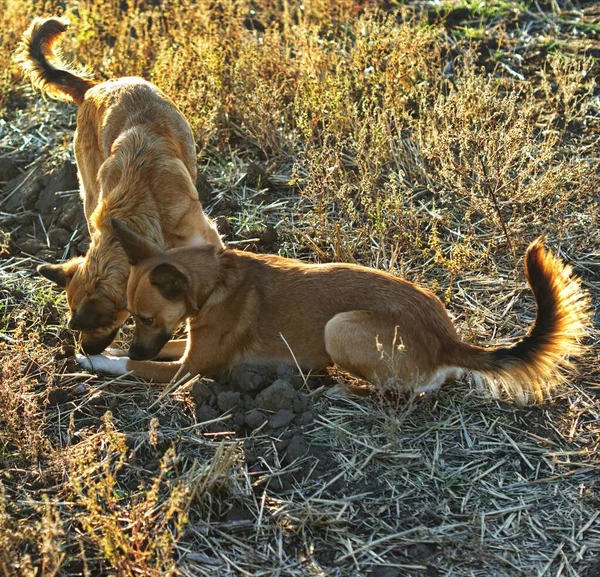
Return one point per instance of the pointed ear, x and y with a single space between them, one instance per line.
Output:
135 246
60 274
169 280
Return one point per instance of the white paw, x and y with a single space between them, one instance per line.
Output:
105 363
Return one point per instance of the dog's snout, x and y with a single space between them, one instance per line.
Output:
138 353
74 321
146 351
95 344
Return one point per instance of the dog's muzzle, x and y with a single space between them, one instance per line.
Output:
94 344
148 351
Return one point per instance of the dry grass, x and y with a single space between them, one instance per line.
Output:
432 140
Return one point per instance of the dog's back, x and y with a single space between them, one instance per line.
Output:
114 107
110 118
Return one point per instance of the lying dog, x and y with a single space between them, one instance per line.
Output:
136 160
249 308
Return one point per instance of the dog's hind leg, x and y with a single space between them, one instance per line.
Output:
368 345
360 342
89 160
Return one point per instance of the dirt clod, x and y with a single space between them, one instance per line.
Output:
255 418
420 551
297 447
8 169
59 237
204 188
223 226
32 245
290 374
257 177
249 378
201 393
281 418
206 413
269 236
307 418
227 400
281 395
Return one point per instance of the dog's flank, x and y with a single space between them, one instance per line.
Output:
136 161
45 70
370 323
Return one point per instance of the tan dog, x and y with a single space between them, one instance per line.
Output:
248 308
136 160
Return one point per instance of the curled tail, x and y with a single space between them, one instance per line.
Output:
532 367
44 68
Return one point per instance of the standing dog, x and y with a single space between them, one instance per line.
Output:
249 308
136 160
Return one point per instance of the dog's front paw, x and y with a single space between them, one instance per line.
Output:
104 363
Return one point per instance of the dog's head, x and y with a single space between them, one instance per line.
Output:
163 288
96 294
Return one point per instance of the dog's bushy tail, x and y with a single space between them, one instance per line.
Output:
531 368
45 69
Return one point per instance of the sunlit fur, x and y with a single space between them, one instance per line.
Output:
533 367
244 307
136 161
41 63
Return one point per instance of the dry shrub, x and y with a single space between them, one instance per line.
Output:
263 88
31 535
473 153
31 548
568 86
23 369
135 531
135 524
352 107
492 157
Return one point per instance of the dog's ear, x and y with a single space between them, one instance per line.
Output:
94 313
60 274
135 246
170 281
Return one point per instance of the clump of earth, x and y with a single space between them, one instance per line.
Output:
254 398
267 408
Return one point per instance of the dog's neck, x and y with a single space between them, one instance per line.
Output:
110 271
104 238
215 279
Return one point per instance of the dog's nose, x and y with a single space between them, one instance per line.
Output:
137 353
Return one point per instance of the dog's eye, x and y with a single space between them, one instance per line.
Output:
145 320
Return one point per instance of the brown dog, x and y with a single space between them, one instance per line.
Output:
136 160
249 308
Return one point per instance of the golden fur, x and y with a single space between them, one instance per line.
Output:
136 161
248 308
